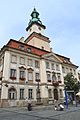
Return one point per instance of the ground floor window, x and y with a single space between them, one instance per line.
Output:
30 93
50 93
55 94
12 94
21 93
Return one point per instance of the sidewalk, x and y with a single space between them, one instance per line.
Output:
41 108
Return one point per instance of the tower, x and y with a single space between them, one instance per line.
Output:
35 33
35 24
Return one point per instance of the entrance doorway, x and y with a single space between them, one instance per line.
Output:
55 94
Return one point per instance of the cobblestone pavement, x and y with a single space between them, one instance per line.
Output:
43 113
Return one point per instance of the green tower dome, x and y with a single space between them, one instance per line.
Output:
35 19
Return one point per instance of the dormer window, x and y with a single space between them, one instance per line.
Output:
28 49
21 47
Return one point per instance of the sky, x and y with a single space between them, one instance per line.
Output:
61 18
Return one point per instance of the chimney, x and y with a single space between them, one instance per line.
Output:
21 39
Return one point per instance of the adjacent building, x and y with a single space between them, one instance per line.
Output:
30 70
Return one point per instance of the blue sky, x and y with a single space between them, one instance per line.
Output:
61 18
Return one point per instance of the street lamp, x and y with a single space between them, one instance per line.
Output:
66 98
38 92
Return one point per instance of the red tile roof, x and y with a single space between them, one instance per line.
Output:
66 60
16 45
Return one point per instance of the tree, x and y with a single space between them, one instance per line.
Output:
71 83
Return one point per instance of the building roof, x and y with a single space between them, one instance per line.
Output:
37 35
25 47
66 60
36 51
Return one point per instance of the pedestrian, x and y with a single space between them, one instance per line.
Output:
60 107
29 106
55 108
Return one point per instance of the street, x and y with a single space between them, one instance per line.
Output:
15 113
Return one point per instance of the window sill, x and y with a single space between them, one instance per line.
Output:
13 78
49 80
22 78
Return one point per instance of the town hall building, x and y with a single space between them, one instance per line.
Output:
30 70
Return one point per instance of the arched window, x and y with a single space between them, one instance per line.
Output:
12 94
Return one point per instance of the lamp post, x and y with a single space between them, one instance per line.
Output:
66 98
38 92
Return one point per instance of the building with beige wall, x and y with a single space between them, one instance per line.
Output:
29 70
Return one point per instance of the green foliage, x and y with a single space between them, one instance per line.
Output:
71 82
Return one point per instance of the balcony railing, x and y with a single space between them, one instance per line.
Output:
37 80
13 78
22 79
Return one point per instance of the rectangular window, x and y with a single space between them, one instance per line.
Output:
12 94
29 50
57 67
48 77
13 58
47 65
30 93
59 78
37 76
30 62
22 74
54 77
52 66
13 73
71 70
30 76
22 60
37 64
74 72
63 69
21 93
21 47
49 93
67 70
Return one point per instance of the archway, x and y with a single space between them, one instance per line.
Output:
12 93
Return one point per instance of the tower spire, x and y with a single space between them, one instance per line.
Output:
35 20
